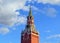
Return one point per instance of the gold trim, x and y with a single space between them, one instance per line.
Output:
34 34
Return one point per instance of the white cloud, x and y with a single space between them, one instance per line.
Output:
21 20
4 30
37 9
46 1
26 8
48 11
48 31
0 1
51 12
49 1
54 36
32 1
8 15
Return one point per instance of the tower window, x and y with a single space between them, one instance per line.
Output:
28 26
30 17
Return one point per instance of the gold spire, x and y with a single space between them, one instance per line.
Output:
30 12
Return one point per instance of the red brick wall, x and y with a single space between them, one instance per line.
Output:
30 38
27 39
34 39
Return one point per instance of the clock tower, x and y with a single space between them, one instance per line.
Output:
29 34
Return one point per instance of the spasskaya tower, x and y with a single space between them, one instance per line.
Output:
30 35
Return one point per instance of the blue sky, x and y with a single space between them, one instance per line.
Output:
13 15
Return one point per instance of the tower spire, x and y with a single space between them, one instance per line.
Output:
30 35
30 22
30 19
30 11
